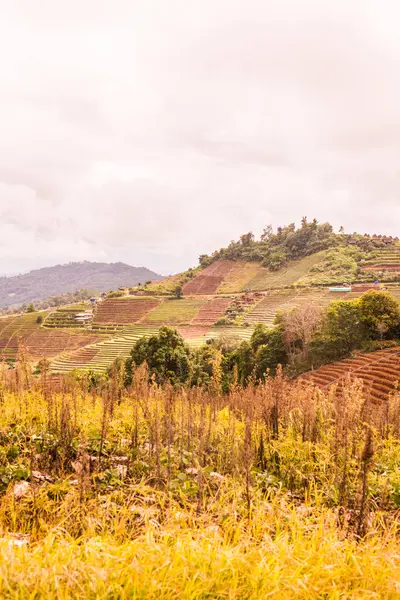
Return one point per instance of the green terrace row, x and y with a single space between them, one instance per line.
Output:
120 346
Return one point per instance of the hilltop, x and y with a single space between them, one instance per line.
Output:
308 256
60 279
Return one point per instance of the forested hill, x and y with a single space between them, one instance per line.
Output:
275 249
50 281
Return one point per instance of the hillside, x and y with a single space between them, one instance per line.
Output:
60 279
224 298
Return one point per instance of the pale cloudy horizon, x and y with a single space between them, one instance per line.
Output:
151 132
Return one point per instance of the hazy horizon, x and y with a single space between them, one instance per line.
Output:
149 133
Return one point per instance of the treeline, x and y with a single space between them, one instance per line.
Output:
275 249
301 339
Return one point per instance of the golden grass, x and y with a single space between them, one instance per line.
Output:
196 561
265 279
172 312
239 277
276 491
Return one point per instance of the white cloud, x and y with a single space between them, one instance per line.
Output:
153 131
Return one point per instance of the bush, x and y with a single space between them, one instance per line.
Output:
223 321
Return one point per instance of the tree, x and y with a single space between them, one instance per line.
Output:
243 357
276 260
260 336
167 356
247 239
178 292
271 354
203 365
342 329
267 233
204 260
299 326
30 308
380 313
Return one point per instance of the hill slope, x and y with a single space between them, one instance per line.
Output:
225 297
50 281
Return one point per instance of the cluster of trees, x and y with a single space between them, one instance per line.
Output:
275 249
303 338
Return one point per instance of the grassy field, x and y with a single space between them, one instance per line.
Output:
265 279
239 277
278 491
175 311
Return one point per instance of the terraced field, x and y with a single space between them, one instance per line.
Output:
123 311
104 353
209 279
13 330
387 259
379 371
44 343
65 317
282 300
101 355
211 311
216 291
239 334
38 342
173 312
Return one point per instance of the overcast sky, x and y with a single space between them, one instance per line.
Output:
150 131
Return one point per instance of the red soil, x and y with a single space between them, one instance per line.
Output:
380 372
44 343
210 278
50 343
211 311
123 312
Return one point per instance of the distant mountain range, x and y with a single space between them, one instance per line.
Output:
50 281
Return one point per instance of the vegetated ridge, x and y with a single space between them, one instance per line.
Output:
60 279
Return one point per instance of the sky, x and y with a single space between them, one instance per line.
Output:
152 131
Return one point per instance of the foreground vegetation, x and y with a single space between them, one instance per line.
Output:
274 490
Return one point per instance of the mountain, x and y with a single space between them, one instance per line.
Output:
50 281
